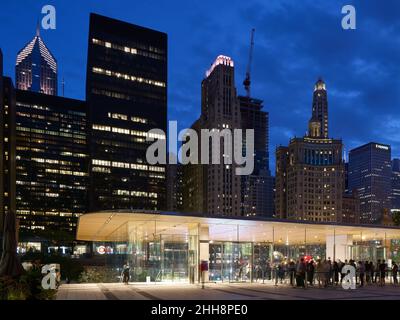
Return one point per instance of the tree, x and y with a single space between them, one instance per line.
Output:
9 263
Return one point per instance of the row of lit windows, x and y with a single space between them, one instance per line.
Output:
52 133
144 96
131 50
51 161
120 116
115 74
70 154
47 213
125 165
135 193
67 172
39 185
127 131
34 106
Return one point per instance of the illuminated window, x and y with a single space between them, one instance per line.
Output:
128 77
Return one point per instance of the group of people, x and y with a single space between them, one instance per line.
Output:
326 272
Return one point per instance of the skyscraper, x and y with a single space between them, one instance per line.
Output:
215 188
320 107
310 171
257 188
395 197
126 92
7 145
36 67
370 174
174 187
51 165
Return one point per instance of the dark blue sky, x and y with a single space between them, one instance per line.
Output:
295 43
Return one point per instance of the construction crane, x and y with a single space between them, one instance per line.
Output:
247 81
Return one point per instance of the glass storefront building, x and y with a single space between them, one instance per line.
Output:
169 247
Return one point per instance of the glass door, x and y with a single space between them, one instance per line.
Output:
175 255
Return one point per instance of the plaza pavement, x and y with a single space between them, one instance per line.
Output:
220 291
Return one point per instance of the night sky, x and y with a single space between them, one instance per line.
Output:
295 43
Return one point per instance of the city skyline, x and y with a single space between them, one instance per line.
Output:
274 70
285 121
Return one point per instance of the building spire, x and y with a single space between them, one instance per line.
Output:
37 29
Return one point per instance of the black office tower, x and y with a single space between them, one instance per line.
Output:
51 166
370 172
126 92
7 146
257 188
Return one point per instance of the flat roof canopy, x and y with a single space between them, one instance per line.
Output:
121 224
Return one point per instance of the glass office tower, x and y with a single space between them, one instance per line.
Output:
7 146
126 92
370 174
51 166
36 67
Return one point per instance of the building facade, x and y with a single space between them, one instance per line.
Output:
351 208
215 188
170 246
370 174
174 187
126 93
310 171
36 67
51 165
257 188
7 146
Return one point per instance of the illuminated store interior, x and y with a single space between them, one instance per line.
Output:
165 246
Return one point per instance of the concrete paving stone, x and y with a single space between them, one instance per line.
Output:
219 291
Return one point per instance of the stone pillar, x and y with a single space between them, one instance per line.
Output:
336 246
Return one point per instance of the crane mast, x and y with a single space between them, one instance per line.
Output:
247 81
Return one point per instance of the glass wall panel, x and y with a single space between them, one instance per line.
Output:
175 253
262 261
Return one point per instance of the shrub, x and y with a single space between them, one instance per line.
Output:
70 268
26 287
96 274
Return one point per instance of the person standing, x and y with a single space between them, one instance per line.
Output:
301 273
367 272
335 273
371 270
342 274
382 273
310 272
361 271
326 267
320 271
125 273
292 272
395 269
377 270
330 274
353 264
